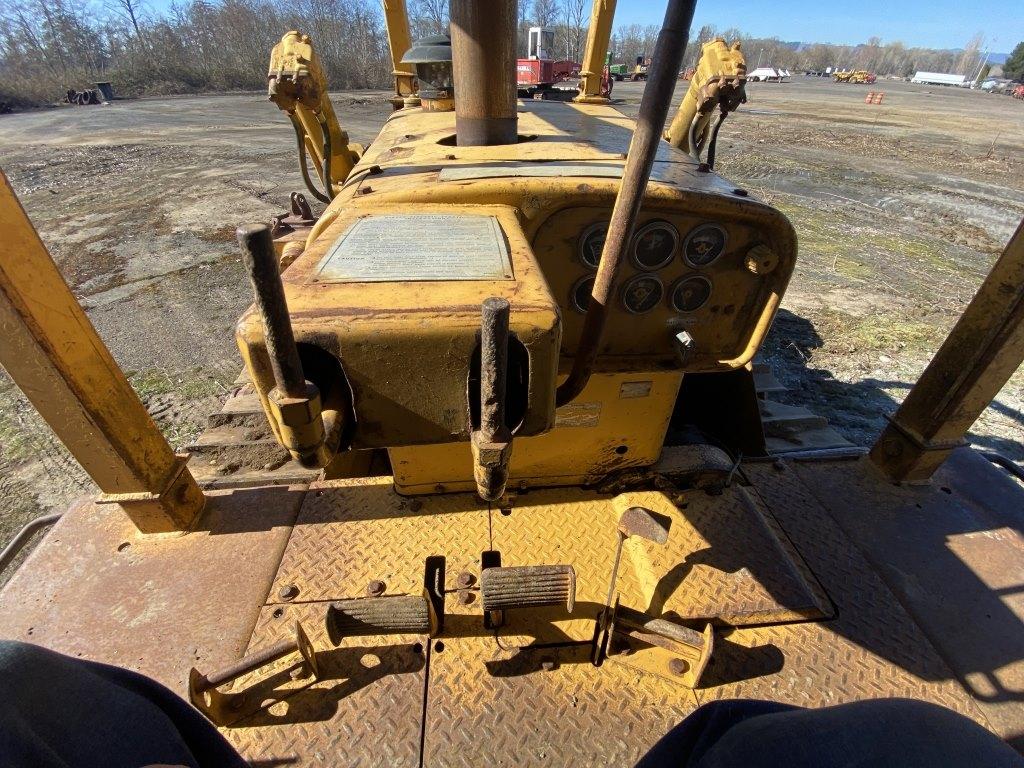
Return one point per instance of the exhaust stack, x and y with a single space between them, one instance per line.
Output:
484 69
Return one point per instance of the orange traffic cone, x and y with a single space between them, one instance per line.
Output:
870 98
879 96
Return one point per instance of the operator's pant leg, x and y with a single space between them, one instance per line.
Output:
59 712
901 733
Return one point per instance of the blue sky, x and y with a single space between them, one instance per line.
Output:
926 23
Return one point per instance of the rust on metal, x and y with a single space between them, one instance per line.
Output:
645 523
261 265
215 705
484 71
366 616
657 645
492 443
667 58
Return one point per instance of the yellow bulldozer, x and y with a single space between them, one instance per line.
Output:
536 507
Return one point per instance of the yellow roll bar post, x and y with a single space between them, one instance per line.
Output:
601 17
978 357
57 359
396 18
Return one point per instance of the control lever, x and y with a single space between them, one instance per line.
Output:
492 443
635 521
294 401
225 708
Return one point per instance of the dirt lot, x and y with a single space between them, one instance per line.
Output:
900 208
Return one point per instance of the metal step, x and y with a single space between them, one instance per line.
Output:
784 420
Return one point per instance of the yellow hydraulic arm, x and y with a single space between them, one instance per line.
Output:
296 83
719 81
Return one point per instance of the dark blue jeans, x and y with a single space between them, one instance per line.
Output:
59 712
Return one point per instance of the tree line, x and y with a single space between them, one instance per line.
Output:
49 46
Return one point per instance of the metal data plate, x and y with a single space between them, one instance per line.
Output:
531 170
419 247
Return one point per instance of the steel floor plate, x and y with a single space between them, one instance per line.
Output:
366 708
513 698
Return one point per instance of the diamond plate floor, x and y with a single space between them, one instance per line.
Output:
489 706
752 557
365 710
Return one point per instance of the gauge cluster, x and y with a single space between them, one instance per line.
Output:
715 274
656 245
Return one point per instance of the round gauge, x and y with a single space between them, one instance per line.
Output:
642 293
703 245
591 243
690 293
654 245
579 296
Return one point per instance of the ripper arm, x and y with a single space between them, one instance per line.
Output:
296 83
719 81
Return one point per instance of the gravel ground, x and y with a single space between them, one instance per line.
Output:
900 208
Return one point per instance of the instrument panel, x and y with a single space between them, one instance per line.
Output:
719 279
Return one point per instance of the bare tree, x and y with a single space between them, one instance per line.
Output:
545 12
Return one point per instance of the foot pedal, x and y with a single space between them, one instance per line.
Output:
226 708
398 615
659 646
528 586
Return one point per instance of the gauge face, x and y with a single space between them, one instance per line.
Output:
579 296
690 294
654 245
642 293
592 243
703 245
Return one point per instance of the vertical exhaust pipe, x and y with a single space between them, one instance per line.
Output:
484 71
661 82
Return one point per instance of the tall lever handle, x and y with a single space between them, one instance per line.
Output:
294 401
492 443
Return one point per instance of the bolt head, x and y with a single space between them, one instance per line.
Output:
466 579
288 592
465 597
376 588
678 666
547 664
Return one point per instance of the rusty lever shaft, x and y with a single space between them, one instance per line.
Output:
261 264
661 82
492 443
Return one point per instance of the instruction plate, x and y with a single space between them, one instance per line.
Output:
401 247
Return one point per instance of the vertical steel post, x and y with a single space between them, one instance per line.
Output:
484 71
661 83
978 357
396 19
55 356
598 34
